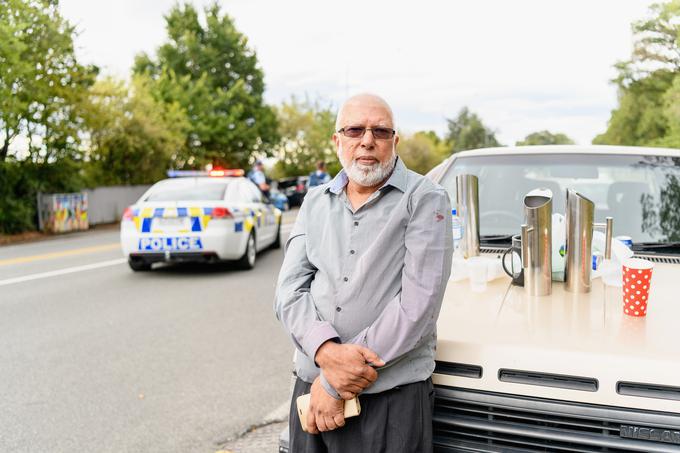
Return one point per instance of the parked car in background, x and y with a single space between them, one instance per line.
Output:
278 198
295 188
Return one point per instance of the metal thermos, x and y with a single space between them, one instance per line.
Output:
580 225
536 240
467 203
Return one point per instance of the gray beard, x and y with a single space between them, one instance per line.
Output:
368 175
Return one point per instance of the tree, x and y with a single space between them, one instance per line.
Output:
639 119
214 76
422 151
41 83
646 83
656 44
305 128
467 131
134 138
671 111
545 138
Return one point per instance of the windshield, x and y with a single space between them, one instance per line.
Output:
212 191
641 193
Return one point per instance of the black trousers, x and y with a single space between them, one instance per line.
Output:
395 421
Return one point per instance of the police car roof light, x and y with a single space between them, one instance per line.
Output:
185 173
230 172
214 173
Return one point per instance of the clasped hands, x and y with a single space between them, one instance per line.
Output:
348 368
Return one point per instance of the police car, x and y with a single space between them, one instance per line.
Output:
200 216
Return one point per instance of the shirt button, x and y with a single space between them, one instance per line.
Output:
346 279
351 252
338 309
356 223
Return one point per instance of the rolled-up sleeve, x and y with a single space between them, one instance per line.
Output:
410 318
293 304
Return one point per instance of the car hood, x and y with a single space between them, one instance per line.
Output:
582 335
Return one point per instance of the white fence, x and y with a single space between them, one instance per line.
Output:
106 204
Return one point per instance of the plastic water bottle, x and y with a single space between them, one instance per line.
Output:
457 229
597 260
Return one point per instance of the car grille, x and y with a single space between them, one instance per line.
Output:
659 259
473 421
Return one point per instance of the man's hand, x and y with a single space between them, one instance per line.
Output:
346 367
325 412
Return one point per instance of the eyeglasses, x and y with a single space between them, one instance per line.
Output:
379 133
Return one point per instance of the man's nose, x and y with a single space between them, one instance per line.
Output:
368 140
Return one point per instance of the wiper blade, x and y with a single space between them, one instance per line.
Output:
656 245
496 238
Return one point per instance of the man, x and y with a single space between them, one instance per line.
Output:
318 177
257 176
360 293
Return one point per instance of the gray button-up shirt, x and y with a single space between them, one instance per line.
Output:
374 276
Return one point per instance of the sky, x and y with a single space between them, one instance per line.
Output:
522 65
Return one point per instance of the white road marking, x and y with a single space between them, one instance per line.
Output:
68 270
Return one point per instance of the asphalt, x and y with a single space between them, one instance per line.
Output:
95 357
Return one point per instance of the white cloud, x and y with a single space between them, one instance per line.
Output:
523 66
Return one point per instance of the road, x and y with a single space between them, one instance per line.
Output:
94 357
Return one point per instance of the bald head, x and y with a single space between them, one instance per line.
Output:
364 101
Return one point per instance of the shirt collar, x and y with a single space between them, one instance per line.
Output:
397 179
338 183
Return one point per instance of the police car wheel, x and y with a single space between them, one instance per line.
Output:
277 241
139 265
247 261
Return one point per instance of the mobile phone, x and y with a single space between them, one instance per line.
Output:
352 408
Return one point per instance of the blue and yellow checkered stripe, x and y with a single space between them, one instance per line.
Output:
200 217
143 218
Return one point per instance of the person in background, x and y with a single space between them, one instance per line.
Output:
320 176
360 290
257 176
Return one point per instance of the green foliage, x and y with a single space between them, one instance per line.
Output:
422 151
41 83
42 93
671 111
639 120
214 76
17 209
305 128
467 131
20 183
134 138
649 84
545 138
656 44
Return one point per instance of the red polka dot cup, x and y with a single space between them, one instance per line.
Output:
637 278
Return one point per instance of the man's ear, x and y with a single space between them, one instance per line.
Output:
396 140
336 140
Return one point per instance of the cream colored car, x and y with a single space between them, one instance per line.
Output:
565 372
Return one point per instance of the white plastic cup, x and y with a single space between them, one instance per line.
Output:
611 273
637 281
479 272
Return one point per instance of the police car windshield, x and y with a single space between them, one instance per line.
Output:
185 192
641 193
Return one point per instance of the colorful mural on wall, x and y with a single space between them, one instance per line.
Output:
63 212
